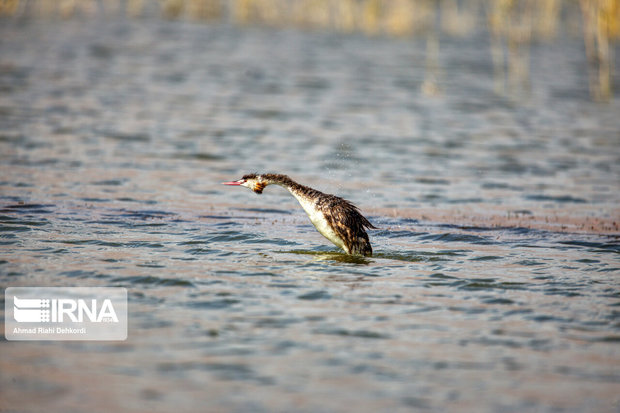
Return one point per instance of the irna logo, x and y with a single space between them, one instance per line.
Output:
65 313
36 310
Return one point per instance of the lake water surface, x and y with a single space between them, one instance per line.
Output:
495 284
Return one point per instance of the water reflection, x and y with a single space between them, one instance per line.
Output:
332 256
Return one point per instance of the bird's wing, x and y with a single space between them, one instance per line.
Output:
348 223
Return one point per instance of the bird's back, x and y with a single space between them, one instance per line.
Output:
348 223
337 219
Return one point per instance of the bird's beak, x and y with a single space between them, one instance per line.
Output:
239 182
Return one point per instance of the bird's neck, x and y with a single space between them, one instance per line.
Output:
297 190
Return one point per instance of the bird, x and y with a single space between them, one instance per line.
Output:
335 218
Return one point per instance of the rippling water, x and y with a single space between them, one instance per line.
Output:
495 280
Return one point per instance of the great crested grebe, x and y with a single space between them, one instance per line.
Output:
335 218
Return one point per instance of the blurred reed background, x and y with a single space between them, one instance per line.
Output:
513 25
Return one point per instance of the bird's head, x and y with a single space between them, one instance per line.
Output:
253 181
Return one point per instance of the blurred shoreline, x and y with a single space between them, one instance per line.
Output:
513 26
